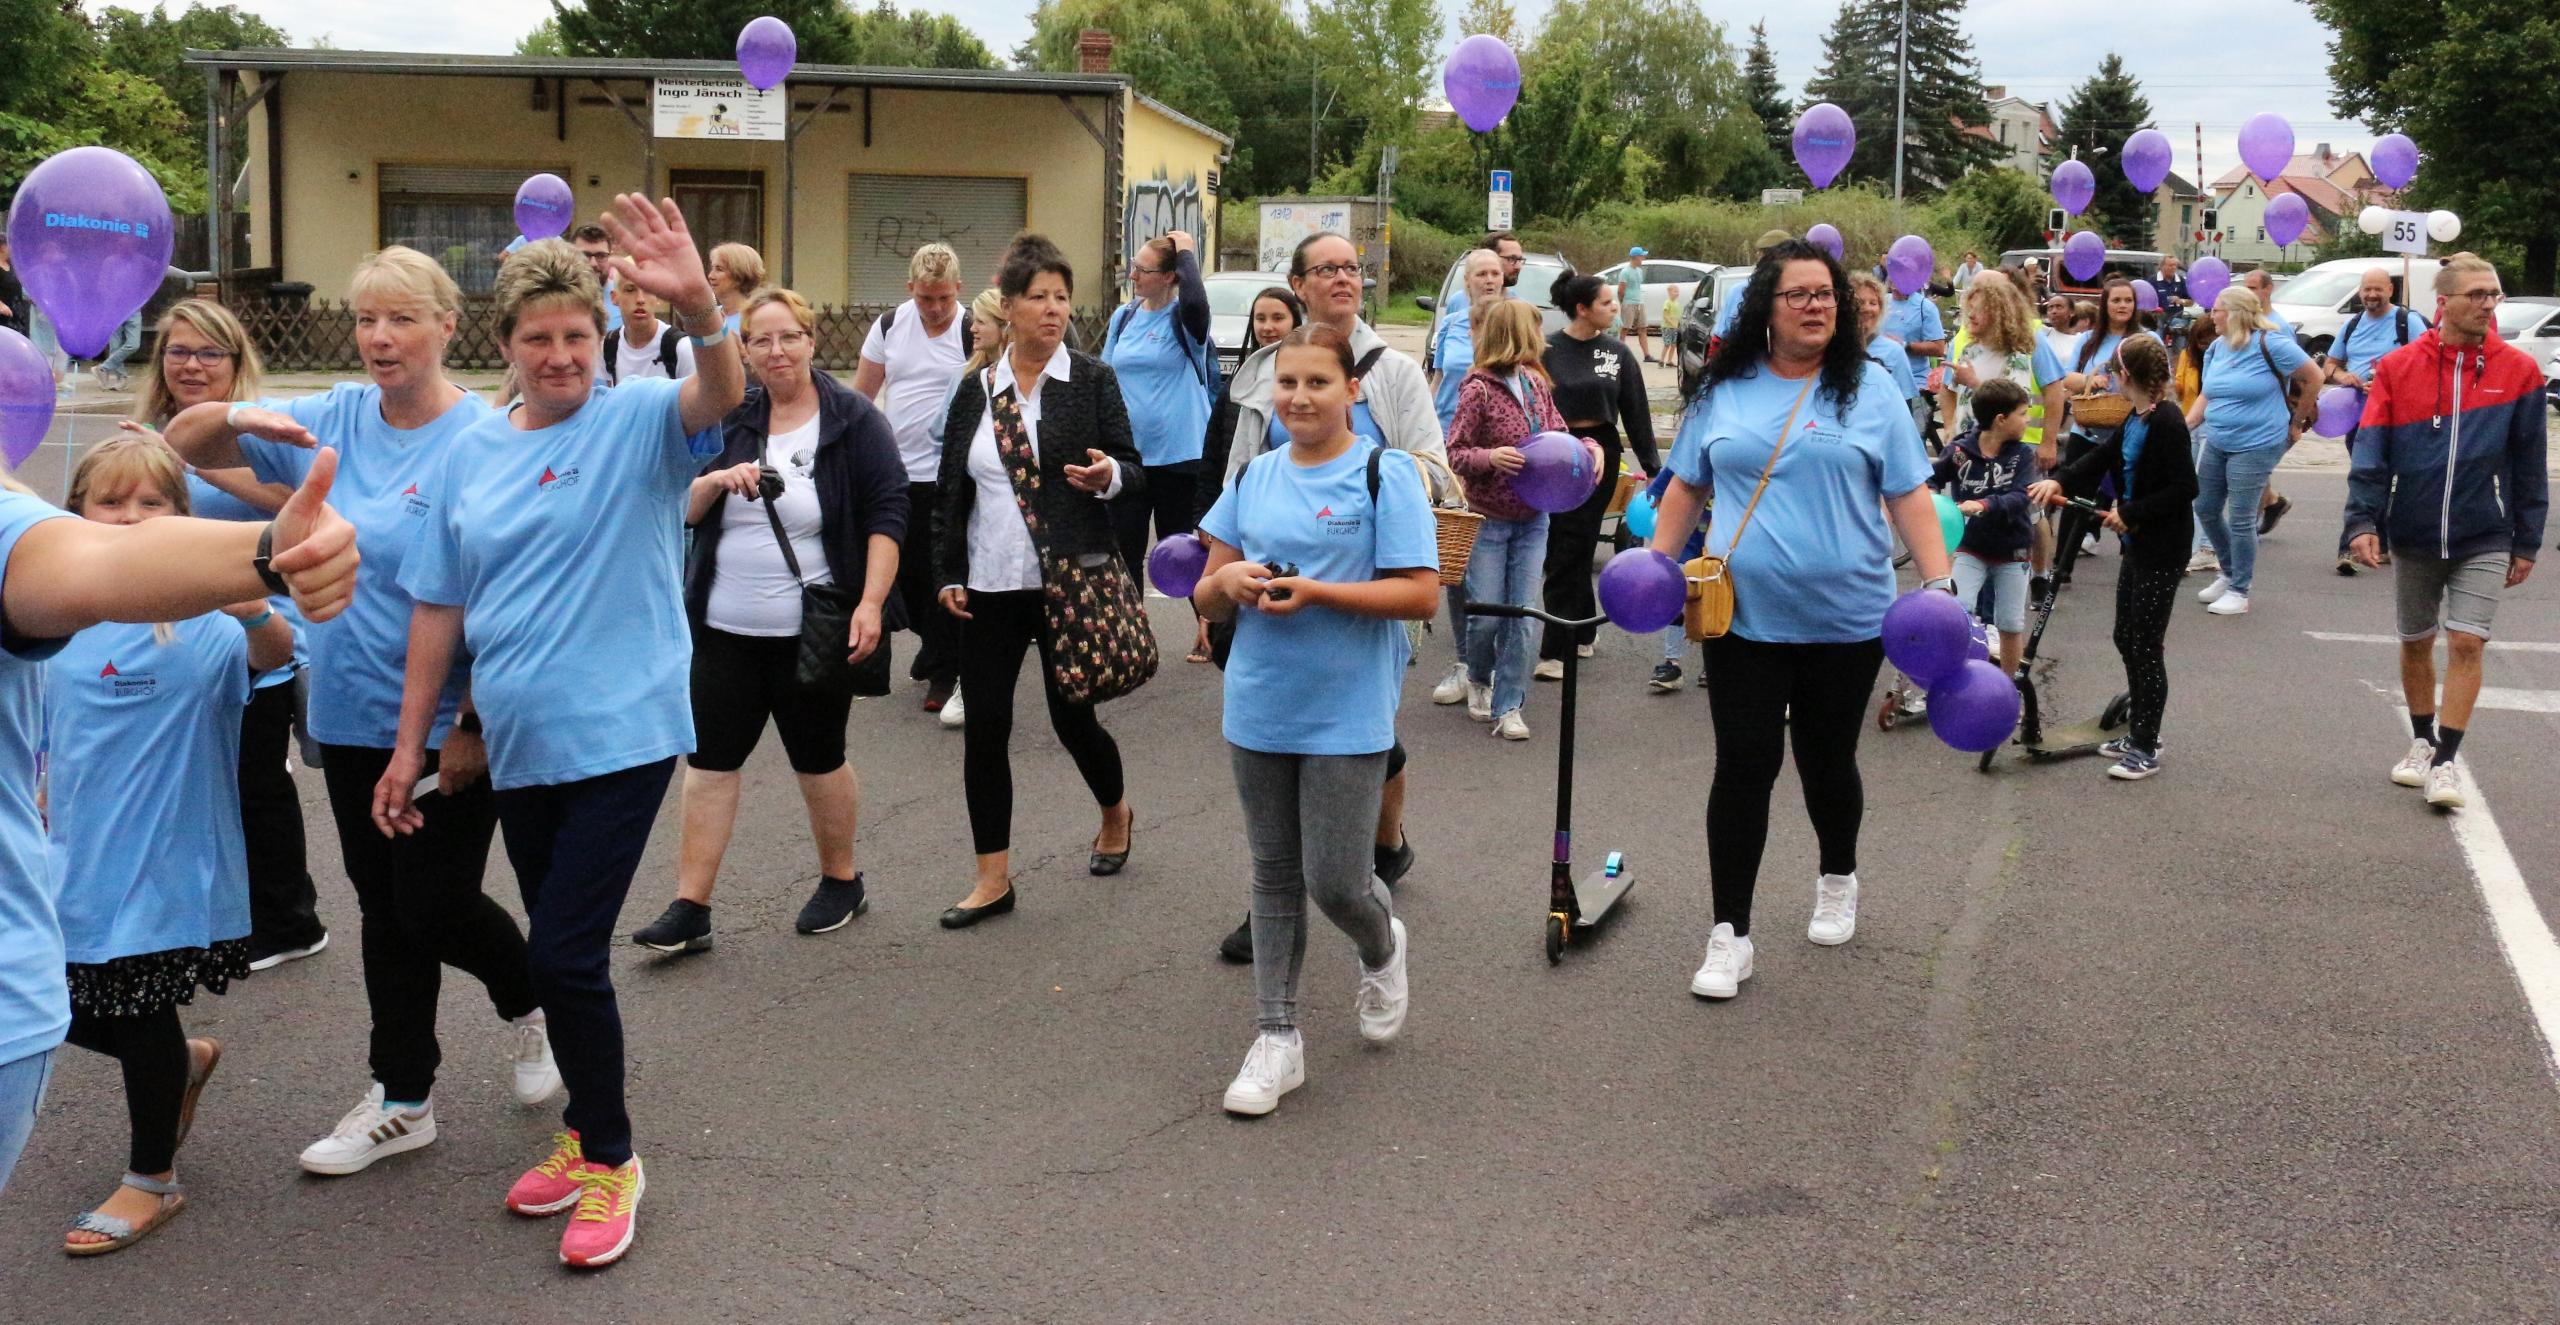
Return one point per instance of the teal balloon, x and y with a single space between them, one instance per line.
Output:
1950 522
1639 516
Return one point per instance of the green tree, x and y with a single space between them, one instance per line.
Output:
543 40
1491 18
152 45
1241 67
1765 95
1380 57
2096 119
2006 207
695 29
1944 90
883 37
2477 84
58 96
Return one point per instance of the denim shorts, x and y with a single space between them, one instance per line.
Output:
2008 590
2462 594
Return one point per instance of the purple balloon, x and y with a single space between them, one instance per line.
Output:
2074 187
1175 566
544 207
1908 264
1975 708
1924 635
1826 236
2286 215
766 52
26 399
1559 474
1482 80
1825 138
2207 279
2395 161
2341 407
2146 159
1642 590
90 238
2146 296
2266 145
2084 255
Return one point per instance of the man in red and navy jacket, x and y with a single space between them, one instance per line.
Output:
2448 464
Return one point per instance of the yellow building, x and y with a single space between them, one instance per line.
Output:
836 177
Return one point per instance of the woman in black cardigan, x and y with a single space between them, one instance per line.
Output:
1036 446
823 461
2154 467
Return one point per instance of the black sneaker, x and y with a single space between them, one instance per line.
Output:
1666 678
832 906
267 954
1392 863
683 927
1238 946
2267 518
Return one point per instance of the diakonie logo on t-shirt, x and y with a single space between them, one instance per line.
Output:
127 685
551 482
1338 525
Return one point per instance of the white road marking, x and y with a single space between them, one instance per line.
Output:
2523 935
2512 646
2519 701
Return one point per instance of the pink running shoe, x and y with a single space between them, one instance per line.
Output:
547 1188
608 1214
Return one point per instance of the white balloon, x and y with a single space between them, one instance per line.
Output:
2444 227
2373 220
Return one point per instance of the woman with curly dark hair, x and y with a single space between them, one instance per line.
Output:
1810 450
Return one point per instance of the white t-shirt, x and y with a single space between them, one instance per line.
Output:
919 369
752 592
636 363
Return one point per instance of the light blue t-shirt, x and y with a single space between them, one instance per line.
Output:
2363 342
1816 563
1732 309
35 1007
207 502
1889 356
386 487
145 850
1319 681
1453 352
561 546
1166 389
1912 319
2244 406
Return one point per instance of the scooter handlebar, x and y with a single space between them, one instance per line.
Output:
1535 613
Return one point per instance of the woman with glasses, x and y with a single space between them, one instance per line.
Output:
2249 421
205 355
821 460
1812 456
1158 346
419 896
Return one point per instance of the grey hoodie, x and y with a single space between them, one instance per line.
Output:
1398 398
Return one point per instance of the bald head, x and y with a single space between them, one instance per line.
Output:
2375 290
1480 274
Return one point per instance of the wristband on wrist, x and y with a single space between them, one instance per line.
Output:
706 342
231 416
266 551
253 622
1943 582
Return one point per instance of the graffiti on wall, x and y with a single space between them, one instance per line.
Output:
1157 205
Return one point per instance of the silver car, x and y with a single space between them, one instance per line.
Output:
1231 295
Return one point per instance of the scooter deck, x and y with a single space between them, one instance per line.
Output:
1599 892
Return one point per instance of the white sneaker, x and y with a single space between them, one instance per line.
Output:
1548 669
1728 964
952 715
2089 544
1452 688
1272 1068
2411 771
2444 786
369 1132
2212 592
1479 702
537 1077
1383 995
1582 650
2204 560
1835 910
2230 604
1512 727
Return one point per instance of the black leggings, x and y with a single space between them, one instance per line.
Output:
937 632
1572 539
1001 626
153 1050
1170 498
2144 596
741 680
1765 695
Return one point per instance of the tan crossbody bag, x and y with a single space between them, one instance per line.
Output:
1709 613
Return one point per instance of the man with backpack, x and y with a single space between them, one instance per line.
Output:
2377 327
645 348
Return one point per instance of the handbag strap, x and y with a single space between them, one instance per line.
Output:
1765 470
790 560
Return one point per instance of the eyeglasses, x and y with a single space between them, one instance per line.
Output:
1515 259
1822 296
1334 270
784 340
208 356
1146 271
2482 298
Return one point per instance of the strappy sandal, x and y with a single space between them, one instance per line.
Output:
120 1234
196 1077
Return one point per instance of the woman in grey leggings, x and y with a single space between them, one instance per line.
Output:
1316 552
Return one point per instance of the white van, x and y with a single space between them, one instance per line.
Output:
2319 301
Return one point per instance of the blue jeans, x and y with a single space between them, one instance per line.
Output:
21 1094
2228 487
121 346
1507 566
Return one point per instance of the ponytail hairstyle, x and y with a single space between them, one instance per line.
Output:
988 305
1573 292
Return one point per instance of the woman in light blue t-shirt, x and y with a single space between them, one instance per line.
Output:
2249 425
1317 552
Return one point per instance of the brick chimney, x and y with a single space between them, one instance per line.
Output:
1093 51
1994 92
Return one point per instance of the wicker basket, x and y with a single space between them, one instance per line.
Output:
1457 525
2101 409
1628 486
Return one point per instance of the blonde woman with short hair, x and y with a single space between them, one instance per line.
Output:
911 360
419 896
2250 417
737 272
1504 401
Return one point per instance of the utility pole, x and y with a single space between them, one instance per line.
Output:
1901 98
1311 121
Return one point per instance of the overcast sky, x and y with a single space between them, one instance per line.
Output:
2214 62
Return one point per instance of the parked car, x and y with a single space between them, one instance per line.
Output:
1231 311
1538 271
1698 321
2319 300
2130 263
1667 285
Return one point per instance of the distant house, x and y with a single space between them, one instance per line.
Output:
2335 185
2022 131
2177 213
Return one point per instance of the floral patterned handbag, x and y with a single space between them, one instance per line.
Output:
1101 645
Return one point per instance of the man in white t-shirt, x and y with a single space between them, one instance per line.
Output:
909 362
645 347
